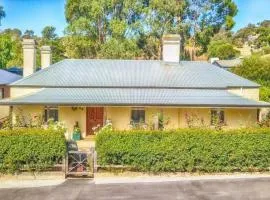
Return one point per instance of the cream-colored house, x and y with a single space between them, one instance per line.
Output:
130 93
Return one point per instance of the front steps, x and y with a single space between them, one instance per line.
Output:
86 143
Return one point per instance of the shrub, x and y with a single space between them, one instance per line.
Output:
30 149
187 150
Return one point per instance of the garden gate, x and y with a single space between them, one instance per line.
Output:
81 163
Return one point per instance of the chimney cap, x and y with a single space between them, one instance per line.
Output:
171 37
29 43
45 49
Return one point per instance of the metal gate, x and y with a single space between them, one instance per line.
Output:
80 163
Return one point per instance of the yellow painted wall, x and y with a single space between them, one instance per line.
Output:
250 93
200 117
69 116
119 116
27 112
4 111
237 118
22 91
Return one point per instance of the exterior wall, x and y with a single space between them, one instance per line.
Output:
177 117
240 118
27 113
69 116
21 91
200 117
250 93
4 93
119 116
4 111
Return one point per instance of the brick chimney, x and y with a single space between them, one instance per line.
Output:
171 48
29 57
46 56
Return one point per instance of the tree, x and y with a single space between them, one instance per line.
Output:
207 17
29 34
13 32
50 38
2 14
115 48
95 22
257 68
6 50
221 49
48 33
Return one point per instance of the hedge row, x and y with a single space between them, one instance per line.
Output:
186 150
30 149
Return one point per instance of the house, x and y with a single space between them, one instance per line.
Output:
128 93
5 79
226 64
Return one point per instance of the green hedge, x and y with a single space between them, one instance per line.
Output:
186 150
30 149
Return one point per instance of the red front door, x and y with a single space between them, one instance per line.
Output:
94 118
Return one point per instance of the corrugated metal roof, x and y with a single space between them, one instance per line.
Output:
228 63
8 77
132 96
134 73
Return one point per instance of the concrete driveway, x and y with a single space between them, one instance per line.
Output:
238 189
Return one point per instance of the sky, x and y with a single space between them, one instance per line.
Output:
36 14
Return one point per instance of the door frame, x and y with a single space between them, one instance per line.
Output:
88 128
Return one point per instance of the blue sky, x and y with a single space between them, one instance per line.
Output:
36 14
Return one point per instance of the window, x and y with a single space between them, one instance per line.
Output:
217 117
51 113
138 115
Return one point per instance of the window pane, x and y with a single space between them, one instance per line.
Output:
217 116
138 116
51 113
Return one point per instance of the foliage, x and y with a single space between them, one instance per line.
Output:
207 18
222 49
30 149
256 35
265 122
48 33
257 68
114 49
102 24
10 50
50 38
29 34
186 150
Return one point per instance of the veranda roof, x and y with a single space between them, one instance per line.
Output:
135 97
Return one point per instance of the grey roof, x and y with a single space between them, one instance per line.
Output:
8 77
134 73
133 96
228 63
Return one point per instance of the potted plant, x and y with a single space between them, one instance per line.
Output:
76 132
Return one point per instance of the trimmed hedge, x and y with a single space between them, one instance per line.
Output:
187 150
30 149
